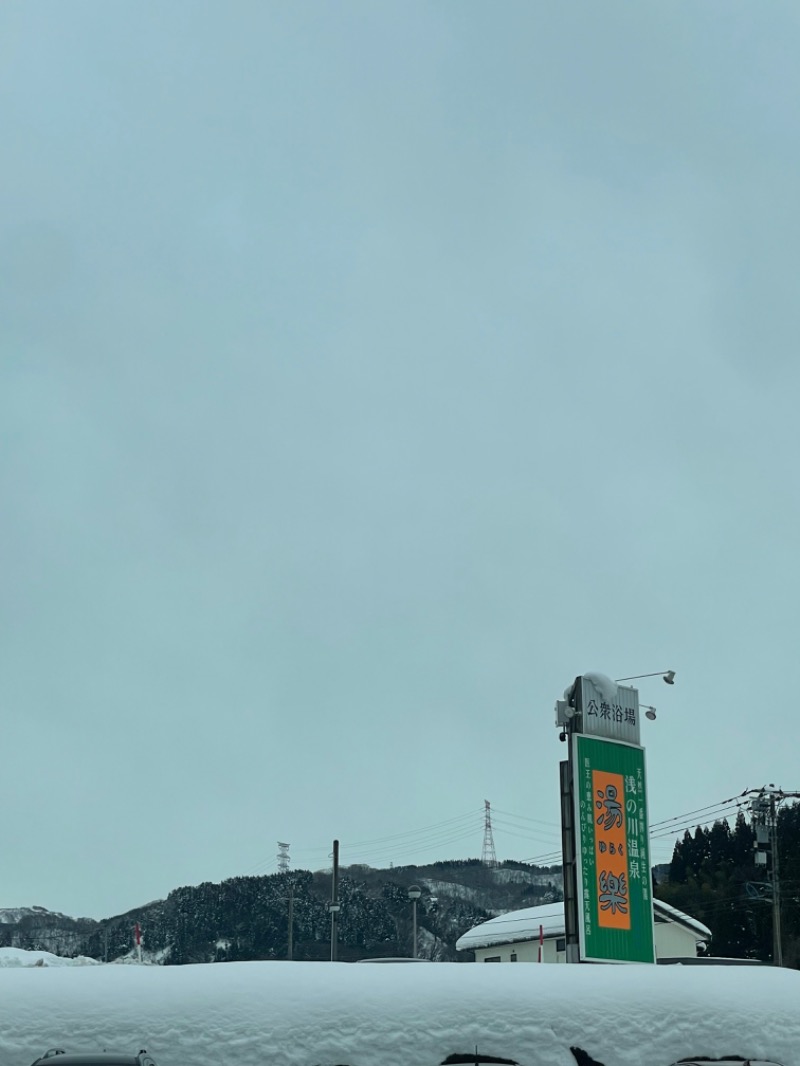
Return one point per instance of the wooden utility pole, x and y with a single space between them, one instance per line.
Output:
777 942
290 947
764 808
334 905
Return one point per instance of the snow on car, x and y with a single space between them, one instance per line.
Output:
321 1014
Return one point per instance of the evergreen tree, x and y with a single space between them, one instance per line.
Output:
713 877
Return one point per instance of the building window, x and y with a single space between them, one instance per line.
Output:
513 957
561 944
492 958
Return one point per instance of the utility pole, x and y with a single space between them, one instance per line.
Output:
777 944
290 938
764 817
284 863
414 893
334 904
433 911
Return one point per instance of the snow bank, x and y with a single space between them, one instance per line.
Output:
21 957
304 1014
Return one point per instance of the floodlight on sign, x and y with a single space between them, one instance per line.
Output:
668 676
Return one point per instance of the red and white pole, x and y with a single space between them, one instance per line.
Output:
541 941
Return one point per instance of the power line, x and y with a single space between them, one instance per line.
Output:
699 810
404 841
415 832
461 827
682 827
524 818
550 858
530 833
465 834
714 811
505 831
425 831
263 868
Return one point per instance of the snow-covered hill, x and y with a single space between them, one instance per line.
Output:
38 929
245 918
15 915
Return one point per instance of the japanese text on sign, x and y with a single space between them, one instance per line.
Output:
611 846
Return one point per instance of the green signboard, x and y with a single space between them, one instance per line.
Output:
615 906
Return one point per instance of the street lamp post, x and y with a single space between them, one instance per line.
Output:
667 675
413 894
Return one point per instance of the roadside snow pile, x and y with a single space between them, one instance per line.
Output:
19 957
304 1014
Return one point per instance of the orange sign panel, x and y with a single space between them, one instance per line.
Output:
611 850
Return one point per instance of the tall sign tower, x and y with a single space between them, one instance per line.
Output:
607 889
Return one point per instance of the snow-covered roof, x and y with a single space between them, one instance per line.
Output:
673 914
524 925
515 926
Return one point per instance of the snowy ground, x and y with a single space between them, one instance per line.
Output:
304 1014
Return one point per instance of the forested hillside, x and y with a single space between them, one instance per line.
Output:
38 929
248 917
713 877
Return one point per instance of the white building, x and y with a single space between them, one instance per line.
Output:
514 937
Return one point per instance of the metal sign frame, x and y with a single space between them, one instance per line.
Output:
608 709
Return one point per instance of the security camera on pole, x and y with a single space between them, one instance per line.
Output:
608 906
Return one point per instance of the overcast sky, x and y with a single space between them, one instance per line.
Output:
368 371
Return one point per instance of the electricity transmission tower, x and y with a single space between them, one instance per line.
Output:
283 858
488 855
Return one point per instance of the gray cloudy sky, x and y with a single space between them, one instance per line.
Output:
369 370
